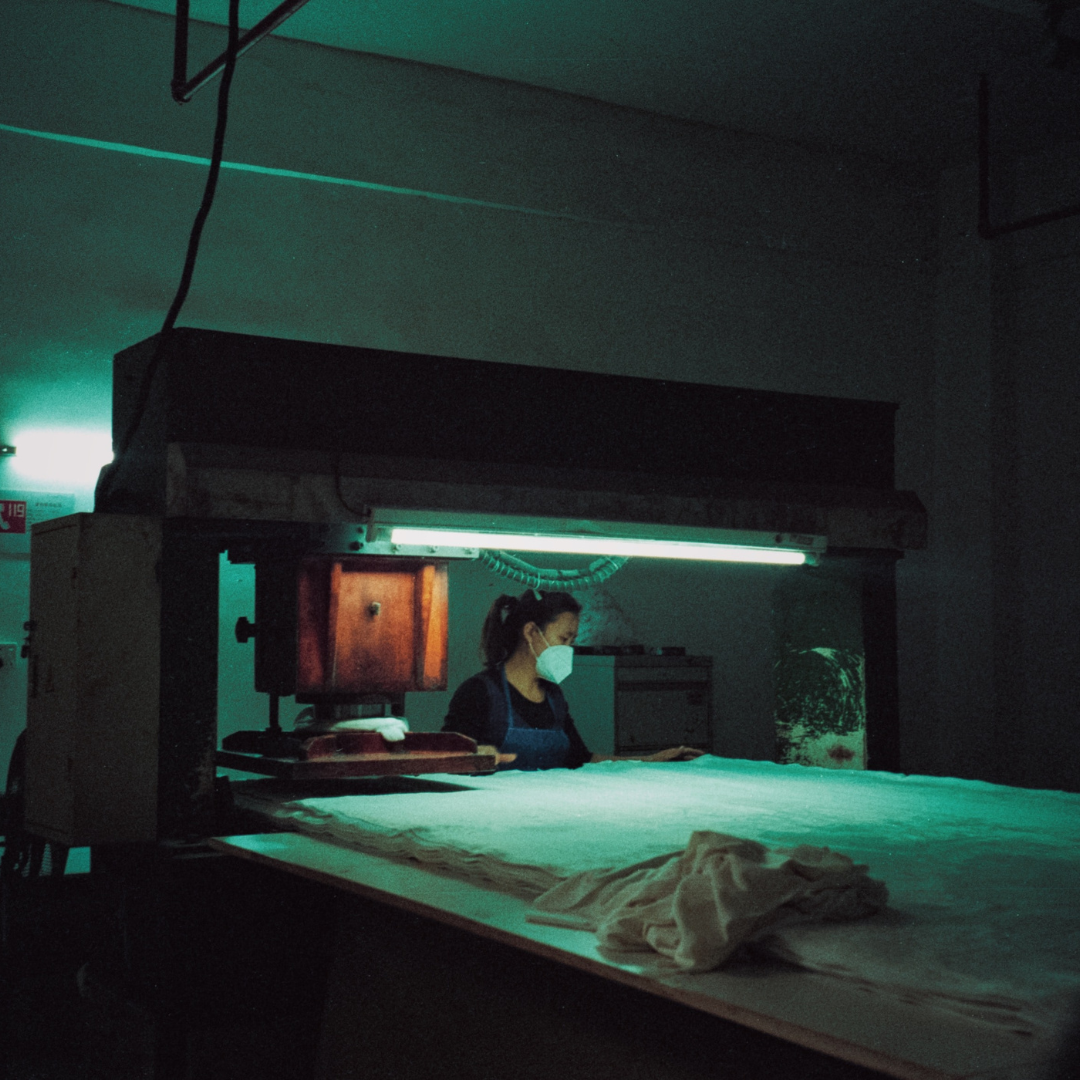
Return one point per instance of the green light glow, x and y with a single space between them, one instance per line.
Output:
65 455
595 545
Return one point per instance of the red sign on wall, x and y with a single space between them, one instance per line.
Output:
12 516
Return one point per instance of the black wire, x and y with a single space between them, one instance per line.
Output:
106 479
358 514
215 168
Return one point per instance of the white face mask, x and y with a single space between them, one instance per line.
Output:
555 662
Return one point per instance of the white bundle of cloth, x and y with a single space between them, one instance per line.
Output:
697 906
391 728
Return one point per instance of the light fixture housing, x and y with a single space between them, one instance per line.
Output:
442 534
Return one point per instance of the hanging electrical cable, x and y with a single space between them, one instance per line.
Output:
108 474
535 577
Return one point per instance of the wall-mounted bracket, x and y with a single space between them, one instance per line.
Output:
182 86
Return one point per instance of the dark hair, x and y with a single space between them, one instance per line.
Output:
509 615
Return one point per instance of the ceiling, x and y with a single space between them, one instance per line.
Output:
893 79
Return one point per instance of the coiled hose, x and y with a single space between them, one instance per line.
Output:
535 577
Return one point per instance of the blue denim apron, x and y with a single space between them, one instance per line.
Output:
536 748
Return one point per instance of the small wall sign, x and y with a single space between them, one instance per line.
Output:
13 515
21 510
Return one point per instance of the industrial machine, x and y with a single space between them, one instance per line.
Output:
348 477
350 635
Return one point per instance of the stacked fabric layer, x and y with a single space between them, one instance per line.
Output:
982 918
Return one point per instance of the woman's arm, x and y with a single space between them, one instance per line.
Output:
579 753
500 759
470 712
672 753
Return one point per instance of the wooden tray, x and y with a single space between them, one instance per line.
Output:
367 753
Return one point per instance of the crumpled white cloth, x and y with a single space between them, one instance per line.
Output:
391 728
697 906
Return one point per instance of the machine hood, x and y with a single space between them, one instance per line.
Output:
237 427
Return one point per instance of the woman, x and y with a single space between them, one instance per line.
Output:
514 707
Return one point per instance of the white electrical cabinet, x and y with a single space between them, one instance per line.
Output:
93 680
638 704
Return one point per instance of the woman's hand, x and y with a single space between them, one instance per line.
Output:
675 753
672 753
500 759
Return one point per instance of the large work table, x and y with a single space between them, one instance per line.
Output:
363 1025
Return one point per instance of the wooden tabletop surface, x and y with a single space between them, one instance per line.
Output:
825 1014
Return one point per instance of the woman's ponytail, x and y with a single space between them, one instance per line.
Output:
493 635
509 615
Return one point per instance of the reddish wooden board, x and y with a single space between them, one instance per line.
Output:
386 763
368 624
367 743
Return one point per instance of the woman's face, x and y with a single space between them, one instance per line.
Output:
562 630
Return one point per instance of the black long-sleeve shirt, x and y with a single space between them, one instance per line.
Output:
471 714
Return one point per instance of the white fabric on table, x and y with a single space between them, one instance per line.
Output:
696 907
983 879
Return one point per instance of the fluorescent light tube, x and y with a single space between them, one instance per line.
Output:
595 545
61 455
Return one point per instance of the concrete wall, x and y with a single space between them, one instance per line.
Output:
621 242
1002 665
1037 482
